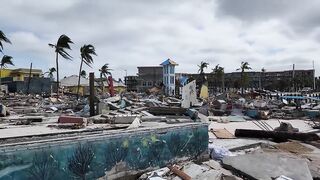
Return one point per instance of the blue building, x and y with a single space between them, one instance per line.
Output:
169 76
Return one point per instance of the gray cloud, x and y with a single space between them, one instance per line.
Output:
131 33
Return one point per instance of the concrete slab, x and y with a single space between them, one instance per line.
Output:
232 126
239 144
266 166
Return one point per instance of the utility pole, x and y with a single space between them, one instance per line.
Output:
293 81
29 79
125 80
314 76
91 97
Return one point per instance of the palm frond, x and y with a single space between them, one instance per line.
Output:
86 54
6 60
4 38
63 53
52 70
83 74
52 45
64 42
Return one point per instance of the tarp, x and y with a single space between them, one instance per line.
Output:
204 92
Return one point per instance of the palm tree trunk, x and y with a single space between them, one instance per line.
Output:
1 68
57 67
241 83
0 76
79 78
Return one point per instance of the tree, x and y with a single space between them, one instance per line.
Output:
218 71
244 66
60 48
6 60
202 66
86 52
50 72
104 72
83 74
3 38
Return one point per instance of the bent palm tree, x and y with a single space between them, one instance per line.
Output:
86 52
60 47
6 60
244 66
3 38
104 72
218 71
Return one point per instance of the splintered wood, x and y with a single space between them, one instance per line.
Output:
222 134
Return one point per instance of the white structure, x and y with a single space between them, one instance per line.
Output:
169 77
189 96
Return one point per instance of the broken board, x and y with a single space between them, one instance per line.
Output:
222 134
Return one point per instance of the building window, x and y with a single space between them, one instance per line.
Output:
171 80
144 83
171 69
149 83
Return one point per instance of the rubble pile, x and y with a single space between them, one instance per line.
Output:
243 130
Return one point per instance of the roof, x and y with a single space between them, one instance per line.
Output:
149 67
73 81
167 62
115 83
26 70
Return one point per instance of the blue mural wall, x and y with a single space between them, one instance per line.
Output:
92 158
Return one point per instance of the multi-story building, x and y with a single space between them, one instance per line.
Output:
18 80
148 77
20 74
290 80
131 83
169 76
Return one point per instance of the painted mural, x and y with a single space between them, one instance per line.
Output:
93 159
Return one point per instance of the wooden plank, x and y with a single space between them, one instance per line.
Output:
179 173
222 134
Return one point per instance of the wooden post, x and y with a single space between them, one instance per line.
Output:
28 88
91 98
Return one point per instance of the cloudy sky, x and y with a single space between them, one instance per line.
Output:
272 34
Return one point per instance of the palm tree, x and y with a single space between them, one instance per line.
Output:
244 66
202 66
83 74
6 60
60 47
218 71
3 38
86 52
104 72
50 72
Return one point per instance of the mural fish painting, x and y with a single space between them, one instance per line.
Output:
11 169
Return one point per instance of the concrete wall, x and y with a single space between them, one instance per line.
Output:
37 85
90 158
